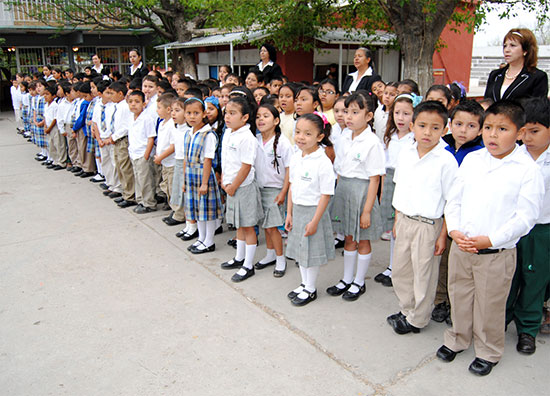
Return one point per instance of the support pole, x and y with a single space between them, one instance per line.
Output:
231 55
340 66
165 59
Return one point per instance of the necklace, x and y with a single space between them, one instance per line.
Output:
511 78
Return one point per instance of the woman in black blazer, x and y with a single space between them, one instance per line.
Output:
267 66
520 78
138 69
364 76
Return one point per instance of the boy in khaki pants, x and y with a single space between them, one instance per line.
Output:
496 198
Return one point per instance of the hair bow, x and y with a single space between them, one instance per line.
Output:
414 98
212 99
323 117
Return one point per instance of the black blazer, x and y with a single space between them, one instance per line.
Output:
365 83
140 73
527 84
269 72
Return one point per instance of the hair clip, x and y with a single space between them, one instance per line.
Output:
323 117
212 99
414 98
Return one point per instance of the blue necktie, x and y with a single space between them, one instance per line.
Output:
103 123
113 121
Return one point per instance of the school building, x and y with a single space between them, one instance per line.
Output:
30 44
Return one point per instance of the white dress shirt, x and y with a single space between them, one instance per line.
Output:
122 119
268 175
498 198
140 130
543 161
422 185
178 140
50 113
380 121
310 177
104 133
164 139
357 79
395 146
359 158
238 148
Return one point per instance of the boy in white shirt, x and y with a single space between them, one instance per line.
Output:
50 127
150 90
63 108
141 141
495 199
15 92
423 177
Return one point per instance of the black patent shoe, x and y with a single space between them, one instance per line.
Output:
232 264
239 278
195 249
260 266
440 312
279 273
349 296
446 354
526 344
336 291
187 237
387 281
402 326
393 318
481 367
293 294
311 296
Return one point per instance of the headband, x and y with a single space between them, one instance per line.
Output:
212 99
238 92
415 99
197 99
323 117
518 33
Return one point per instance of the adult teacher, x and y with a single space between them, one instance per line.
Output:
268 67
520 78
365 74
137 69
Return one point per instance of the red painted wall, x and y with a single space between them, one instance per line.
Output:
297 66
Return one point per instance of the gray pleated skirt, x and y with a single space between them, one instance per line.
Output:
244 209
314 250
274 215
387 212
348 203
177 184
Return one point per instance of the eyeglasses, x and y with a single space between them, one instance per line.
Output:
323 92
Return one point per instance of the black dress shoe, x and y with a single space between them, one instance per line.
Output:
140 209
378 278
106 192
260 266
349 296
239 278
446 354
118 200
232 264
126 204
40 159
58 167
51 166
171 221
339 243
392 318
526 344
336 291
80 172
387 282
104 186
311 296
160 199
180 233
87 174
76 169
114 194
187 237
481 367
402 326
46 163
232 243
293 294
279 273
196 250
219 230
440 312
70 168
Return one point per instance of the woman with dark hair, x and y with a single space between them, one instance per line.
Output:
267 66
365 74
137 69
520 78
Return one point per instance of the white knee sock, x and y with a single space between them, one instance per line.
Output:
387 272
311 280
269 256
218 223
280 265
201 225
241 250
303 274
98 165
190 227
363 261
349 267
210 230
248 260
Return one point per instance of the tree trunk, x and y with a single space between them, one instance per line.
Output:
183 61
418 29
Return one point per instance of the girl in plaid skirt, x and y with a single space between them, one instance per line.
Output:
38 122
202 197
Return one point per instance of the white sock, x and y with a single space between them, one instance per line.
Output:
43 152
218 223
248 260
98 165
241 250
280 265
311 280
303 274
191 227
349 267
210 230
201 225
363 261
270 256
387 272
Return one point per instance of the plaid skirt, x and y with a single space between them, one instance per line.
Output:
26 116
347 206
40 137
97 150
387 212
274 215
314 250
91 144
201 207
244 209
176 195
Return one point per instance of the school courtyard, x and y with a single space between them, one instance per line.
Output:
96 300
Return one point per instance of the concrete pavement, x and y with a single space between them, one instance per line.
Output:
96 300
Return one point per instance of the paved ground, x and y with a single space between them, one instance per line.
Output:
96 300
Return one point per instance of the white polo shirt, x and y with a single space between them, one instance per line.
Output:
543 161
395 146
122 119
151 107
335 133
50 113
287 125
268 175
422 185
164 138
140 130
359 158
104 133
238 148
498 198
210 142
310 177
178 139
380 121
63 107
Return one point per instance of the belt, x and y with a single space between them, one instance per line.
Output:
422 219
489 251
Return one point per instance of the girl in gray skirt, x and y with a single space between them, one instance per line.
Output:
355 211
311 175
271 164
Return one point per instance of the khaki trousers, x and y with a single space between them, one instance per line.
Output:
85 159
60 143
415 268
109 169
144 182
166 183
73 147
52 144
441 294
478 288
124 169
